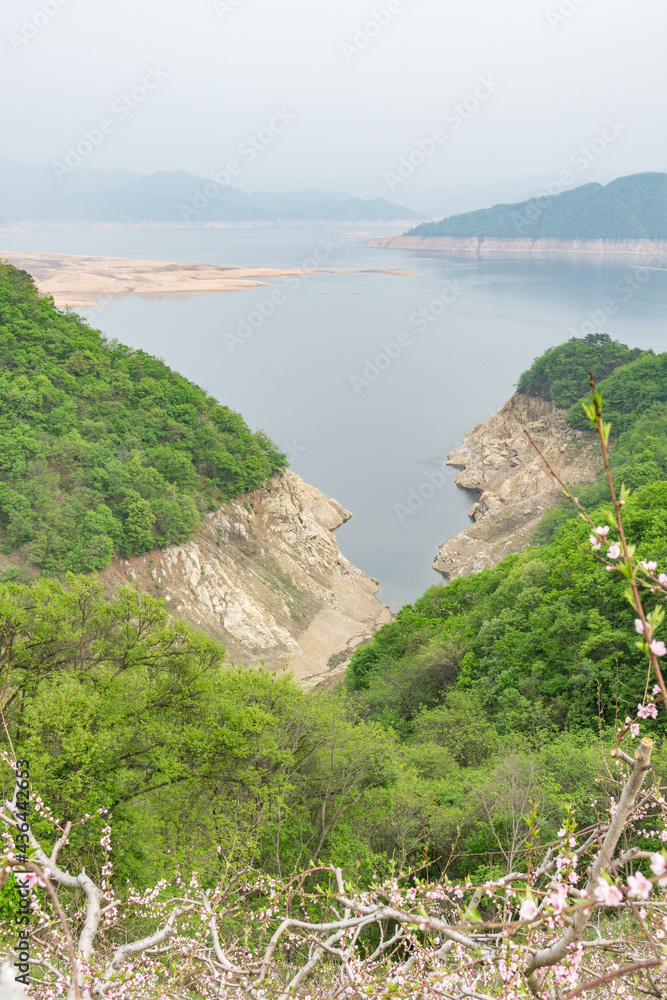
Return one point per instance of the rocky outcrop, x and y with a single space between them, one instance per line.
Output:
265 576
520 246
512 485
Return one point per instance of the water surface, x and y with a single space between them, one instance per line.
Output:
296 370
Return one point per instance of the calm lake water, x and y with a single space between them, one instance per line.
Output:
364 394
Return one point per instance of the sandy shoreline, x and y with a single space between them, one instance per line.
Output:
76 281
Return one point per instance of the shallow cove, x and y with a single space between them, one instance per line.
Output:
377 447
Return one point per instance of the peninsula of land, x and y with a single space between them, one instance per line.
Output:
76 280
625 218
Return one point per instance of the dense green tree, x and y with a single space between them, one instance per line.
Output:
481 700
104 449
561 374
542 637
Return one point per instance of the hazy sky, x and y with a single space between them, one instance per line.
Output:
358 85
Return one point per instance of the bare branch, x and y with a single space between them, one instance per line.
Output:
557 951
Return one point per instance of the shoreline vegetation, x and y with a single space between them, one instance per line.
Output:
538 631
471 729
106 451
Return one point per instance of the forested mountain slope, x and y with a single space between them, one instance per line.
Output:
626 208
104 449
486 696
541 638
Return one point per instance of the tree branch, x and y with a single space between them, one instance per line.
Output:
557 951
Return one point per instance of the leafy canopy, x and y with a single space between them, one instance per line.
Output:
561 374
104 449
539 639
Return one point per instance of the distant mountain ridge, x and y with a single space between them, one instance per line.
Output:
84 195
632 207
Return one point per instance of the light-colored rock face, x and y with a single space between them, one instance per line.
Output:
265 576
519 246
516 488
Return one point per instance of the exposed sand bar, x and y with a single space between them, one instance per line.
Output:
75 281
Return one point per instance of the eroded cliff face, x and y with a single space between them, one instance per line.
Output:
520 246
514 487
265 576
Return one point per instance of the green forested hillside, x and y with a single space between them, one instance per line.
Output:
486 695
630 207
539 639
562 374
208 767
104 449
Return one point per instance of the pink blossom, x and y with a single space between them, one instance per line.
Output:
614 551
647 711
528 909
634 730
656 690
558 901
658 647
602 531
608 895
640 887
662 579
659 867
639 626
649 566
31 878
595 542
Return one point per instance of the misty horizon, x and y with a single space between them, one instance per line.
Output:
512 95
469 198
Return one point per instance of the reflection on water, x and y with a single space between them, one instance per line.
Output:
367 380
